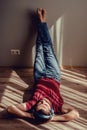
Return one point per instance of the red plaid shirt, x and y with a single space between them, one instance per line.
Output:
47 88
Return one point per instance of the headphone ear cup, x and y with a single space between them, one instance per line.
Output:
52 111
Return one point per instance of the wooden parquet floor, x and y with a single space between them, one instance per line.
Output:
16 87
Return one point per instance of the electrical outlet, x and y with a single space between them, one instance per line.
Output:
15 52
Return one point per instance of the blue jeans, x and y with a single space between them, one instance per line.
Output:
46 64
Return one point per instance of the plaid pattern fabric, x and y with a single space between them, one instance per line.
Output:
47 88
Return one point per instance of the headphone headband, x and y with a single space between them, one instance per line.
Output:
43 116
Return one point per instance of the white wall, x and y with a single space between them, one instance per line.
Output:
67 21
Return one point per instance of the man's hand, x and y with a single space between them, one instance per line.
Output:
30 115
69 114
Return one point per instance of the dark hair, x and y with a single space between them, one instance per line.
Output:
40 115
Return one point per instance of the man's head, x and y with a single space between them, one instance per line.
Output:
43 109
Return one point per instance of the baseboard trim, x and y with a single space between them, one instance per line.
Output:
73 67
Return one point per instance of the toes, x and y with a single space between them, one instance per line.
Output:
43 11
42 14
39 10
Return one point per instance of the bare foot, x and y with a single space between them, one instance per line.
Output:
42 14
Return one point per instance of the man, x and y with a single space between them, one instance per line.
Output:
47 102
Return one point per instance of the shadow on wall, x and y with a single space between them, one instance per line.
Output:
18 26
28 43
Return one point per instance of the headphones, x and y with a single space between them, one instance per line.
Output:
43 116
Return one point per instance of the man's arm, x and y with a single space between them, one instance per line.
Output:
19 110
69 113
22 108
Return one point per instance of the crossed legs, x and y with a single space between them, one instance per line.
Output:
46 64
